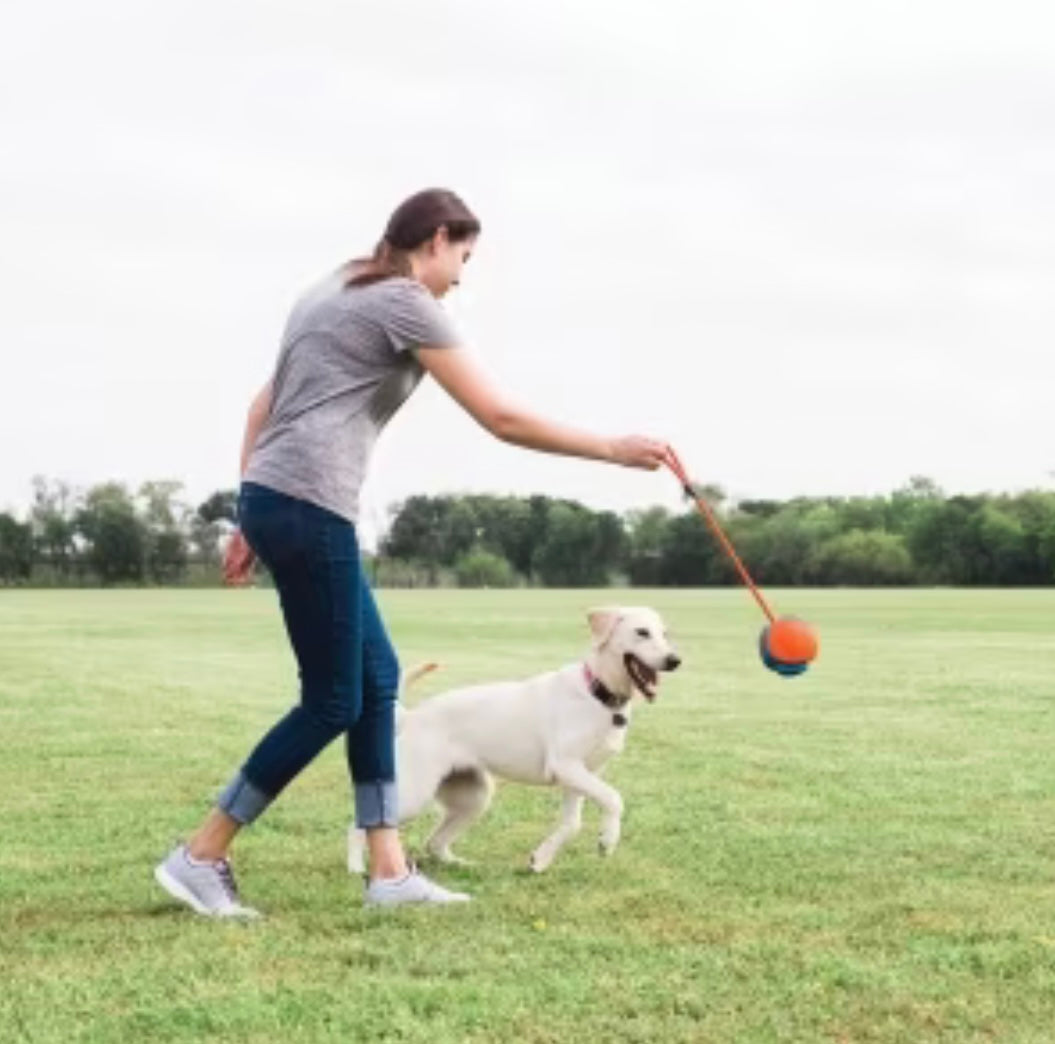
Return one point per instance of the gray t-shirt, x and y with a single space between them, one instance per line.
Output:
345 366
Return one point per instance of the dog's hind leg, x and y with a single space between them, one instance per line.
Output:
570 825
465 796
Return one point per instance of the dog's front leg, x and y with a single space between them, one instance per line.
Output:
576 776
570 825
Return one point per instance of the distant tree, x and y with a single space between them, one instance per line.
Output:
1036 512
416 533
221 505
922 488
204 540
506 526
1003 551
115 536
52 520
459 531
646 534
209 524
164 517
783 549
942 543
863 513
864 558
713 494
580 548
612 542
482 568
16 549
688 557
759 508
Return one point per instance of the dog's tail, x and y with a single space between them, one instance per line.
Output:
409 678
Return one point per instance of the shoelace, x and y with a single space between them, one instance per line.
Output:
412 871
223 868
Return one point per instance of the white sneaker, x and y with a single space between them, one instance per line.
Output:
414 888
207 887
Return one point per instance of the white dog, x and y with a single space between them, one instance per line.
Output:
555 729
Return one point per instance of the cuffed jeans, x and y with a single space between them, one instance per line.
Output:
349 674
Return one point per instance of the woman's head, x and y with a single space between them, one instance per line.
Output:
428 237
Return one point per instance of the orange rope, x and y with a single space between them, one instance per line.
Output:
675 465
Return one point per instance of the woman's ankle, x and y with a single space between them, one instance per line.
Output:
205 853
387 858
212 839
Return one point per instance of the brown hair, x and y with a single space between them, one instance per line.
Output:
415 221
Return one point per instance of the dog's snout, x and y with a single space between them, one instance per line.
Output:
672 663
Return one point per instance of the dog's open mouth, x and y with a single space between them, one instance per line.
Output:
643 677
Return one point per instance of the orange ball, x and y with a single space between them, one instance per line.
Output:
791 640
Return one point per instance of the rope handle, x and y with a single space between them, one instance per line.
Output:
673 461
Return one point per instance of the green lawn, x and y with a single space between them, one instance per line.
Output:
866 853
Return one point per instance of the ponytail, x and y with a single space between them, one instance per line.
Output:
415 221
387 262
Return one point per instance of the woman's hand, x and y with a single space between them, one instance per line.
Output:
639 451
238 559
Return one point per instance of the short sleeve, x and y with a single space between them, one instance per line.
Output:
413 318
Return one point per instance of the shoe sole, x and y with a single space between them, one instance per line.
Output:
374 904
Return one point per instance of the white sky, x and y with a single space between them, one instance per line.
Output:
811 243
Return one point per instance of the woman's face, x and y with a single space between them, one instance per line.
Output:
438 263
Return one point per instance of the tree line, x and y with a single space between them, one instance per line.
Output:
109 534
918 535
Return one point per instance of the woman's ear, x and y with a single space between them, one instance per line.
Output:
440 239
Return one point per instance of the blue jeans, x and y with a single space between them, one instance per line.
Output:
349 674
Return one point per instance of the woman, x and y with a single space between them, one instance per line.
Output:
354 349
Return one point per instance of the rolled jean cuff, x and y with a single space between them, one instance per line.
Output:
241 800
376 804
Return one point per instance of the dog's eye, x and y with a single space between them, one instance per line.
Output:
643 632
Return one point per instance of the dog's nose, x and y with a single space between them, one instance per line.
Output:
673 662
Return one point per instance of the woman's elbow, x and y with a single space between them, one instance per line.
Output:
504 424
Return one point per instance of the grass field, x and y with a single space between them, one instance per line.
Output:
863 854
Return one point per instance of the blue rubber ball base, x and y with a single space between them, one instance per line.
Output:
781 667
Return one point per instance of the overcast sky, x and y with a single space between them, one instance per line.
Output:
811 243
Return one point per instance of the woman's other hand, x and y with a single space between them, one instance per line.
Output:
238 559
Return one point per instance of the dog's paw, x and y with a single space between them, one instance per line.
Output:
607 841
448 858
539 861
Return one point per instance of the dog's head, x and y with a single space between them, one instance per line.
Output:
631 644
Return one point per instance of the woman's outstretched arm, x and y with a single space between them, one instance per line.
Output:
466 382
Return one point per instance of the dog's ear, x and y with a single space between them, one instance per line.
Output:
602 623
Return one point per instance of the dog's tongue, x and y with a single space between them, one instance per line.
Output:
651 678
